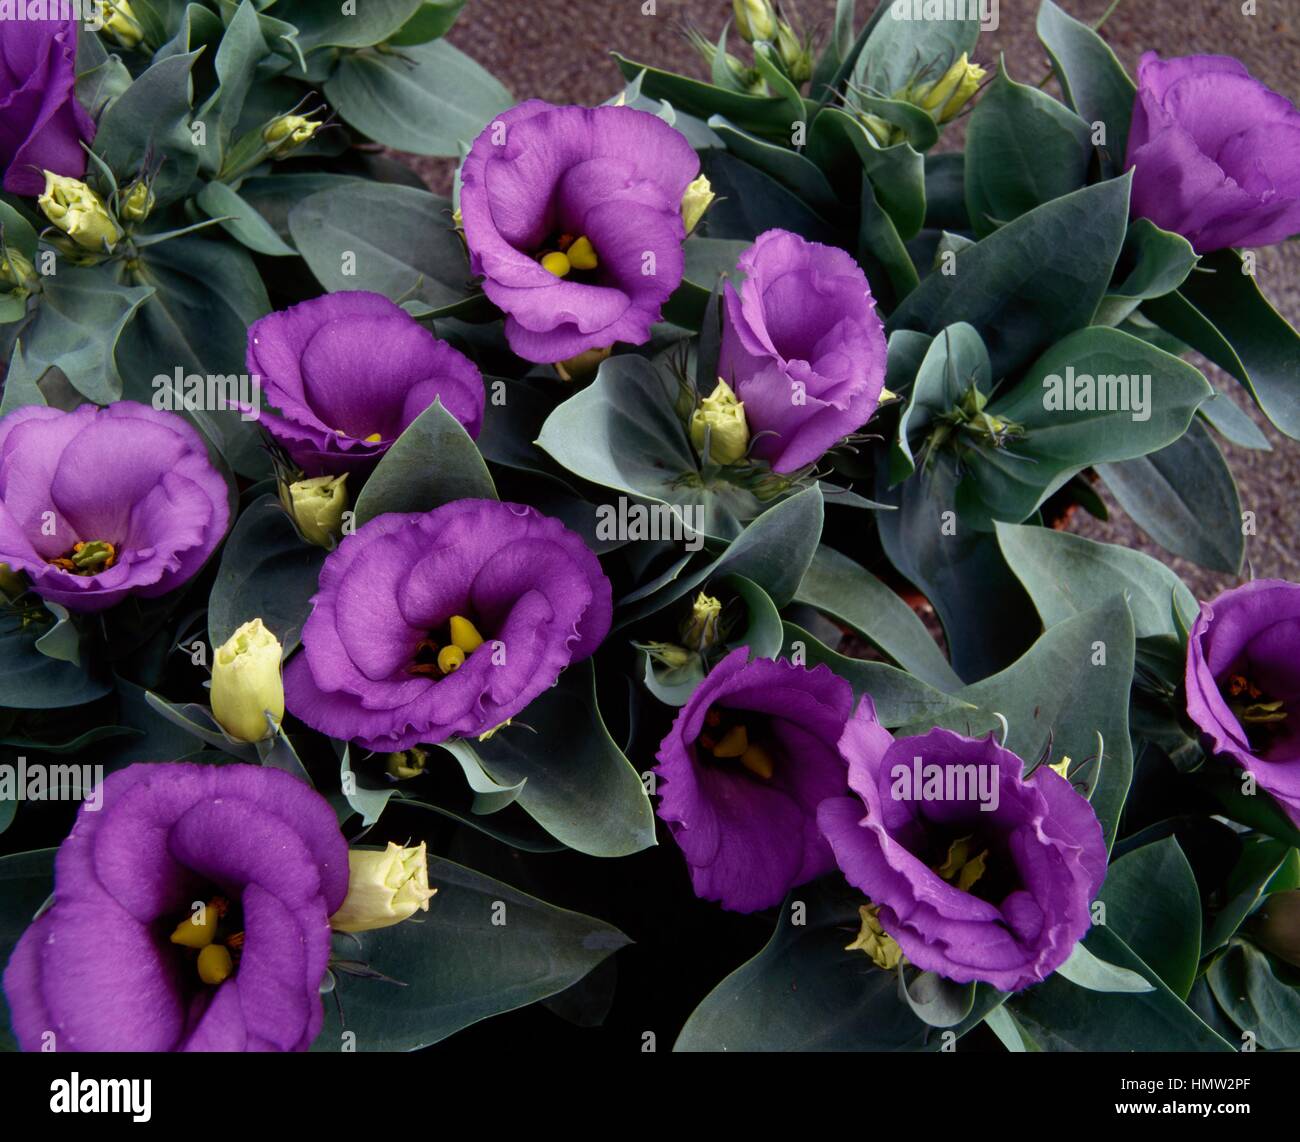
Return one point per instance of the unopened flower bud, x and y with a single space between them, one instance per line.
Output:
584 366
79 212
1276 926
702 629
384 888
721 417
698 198
317 506
137 203
17 274
120 24
945 97
407 764
796 54
668 653
246 683
755 20
287 133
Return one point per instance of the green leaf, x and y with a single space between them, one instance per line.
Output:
1062 1017
35 681
241 221
433 20
345 26
490 795
153 117
483 948
1154 262
267 571
207 295
427 99
901 50
936 1001
578 785
26 881
1246 885
1094 81
432 463
17 232
790 168
78 327
762 114
805 992
1060 696
1153 905
242 48
1083 969
401 239
1011 287
900 699
1022 149
367 798
835 584
1221 313
774 551
1184 497
750 202
1145 399
21 382
1255 999
1067 575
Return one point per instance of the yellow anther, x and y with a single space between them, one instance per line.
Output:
215 964
557 264
582 255
450 659
734 743
464 634
374 438
758 761
199 930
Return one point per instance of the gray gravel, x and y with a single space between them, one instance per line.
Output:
557 51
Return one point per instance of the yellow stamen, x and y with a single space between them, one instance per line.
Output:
960 868
582 255
758 761
733 744
215 964
198 930
557 264
464 634
450 659
373 438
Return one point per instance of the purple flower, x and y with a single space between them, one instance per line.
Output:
100 503
349 372
1214 153
802 347
741 774
42 126
118 963
593 194
444 623
978 873
1243 683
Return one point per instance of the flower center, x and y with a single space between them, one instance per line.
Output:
444 651
567 253
214 939
726 740
976 864
1260 714
87 558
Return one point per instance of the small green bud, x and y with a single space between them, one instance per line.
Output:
317 506
17 274
668 653
137 203
698 198
755 20
410 763
946 96
1276 925
702 628
287 133
721 417
79 212
796 54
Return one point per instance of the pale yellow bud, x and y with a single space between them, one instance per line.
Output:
79 212
246 683
137 203
755 20
120 24
722 418
287 133
317 506
384 888
945 98
698 198
701 630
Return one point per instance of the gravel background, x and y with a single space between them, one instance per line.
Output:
557 51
